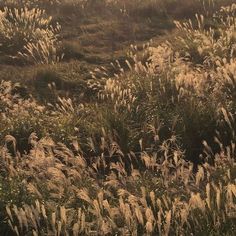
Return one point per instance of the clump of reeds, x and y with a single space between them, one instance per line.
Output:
28 35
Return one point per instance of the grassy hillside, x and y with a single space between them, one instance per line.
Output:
95 33
117 117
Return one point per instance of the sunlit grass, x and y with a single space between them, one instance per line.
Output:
152 152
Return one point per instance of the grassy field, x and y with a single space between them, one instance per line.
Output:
96 33
117 117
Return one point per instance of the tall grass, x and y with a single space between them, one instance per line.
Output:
28 35
155 155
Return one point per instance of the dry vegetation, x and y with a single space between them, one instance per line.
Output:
143 145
